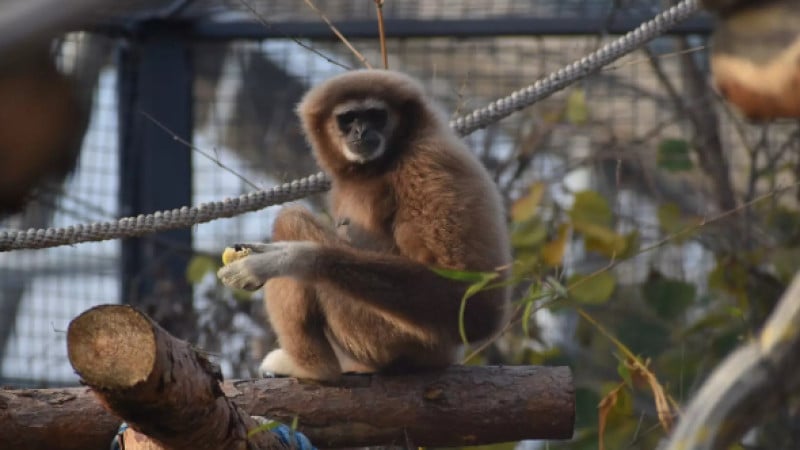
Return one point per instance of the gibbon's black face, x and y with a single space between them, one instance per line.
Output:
364 127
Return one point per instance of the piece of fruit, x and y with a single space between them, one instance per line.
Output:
231 254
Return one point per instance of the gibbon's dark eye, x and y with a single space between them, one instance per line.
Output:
376 116
344 120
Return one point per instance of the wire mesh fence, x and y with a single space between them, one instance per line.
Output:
245 135
42 290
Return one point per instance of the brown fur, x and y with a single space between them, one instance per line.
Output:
368 301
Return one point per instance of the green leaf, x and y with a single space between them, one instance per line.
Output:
501 446
710 322
532 296
199 266
590 207
463 275
577 112
672 221
786 261
669 298
669 218
632 242
625 373
586 401
528 234
241 295
526 318
525 263
673 155
472 290
525 207
592 289
267 426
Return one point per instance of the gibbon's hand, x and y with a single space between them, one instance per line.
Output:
276 259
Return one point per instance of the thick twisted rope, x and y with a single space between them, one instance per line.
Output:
481 118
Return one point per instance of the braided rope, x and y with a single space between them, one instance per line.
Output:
481 118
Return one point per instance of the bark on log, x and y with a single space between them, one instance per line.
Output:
456 406
160 385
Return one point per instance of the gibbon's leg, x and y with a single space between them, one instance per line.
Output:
405 290
294 311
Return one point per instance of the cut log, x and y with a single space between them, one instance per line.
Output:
162 386
452 407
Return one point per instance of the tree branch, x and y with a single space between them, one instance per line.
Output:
457 406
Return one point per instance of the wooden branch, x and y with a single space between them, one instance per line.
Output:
459 406
160 385
748 385
456 406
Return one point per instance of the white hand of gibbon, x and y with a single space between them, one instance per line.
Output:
276 259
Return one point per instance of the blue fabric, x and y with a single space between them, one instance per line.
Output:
115 444
284 433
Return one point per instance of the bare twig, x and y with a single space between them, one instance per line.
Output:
339 34
382 33
211 158
268 25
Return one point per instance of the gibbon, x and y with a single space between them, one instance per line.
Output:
407 195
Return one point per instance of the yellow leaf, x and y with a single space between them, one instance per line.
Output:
663 409
607 403
577 112
525 207
601 239
553 251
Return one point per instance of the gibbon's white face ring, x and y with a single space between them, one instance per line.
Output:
355 157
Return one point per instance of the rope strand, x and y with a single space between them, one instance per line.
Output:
481 118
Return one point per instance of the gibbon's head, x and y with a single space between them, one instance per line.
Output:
363 119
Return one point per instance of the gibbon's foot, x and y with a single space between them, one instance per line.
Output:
278 364
271 375
267 261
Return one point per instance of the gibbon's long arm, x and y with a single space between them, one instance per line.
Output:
408 290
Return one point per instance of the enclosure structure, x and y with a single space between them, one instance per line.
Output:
176 88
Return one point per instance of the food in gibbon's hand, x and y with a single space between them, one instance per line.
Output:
231 254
